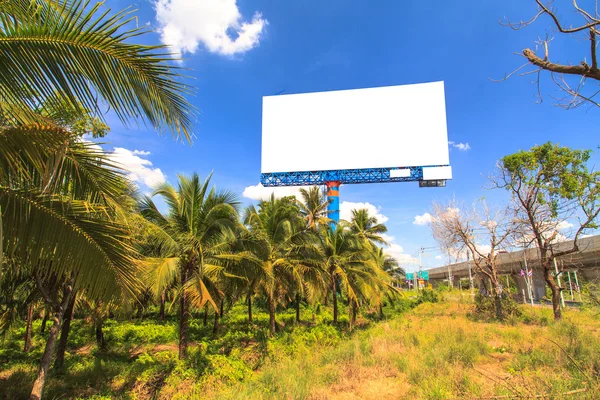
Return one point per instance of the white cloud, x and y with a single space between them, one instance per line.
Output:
422 219
139 169
564 225
438 257
388 238
460 146
259 192
346 208
397 251
217 24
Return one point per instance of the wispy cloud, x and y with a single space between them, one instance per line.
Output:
460 146
217 24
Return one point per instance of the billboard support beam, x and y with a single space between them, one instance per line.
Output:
333 196
364 175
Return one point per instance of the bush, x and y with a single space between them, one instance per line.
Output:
428 296
485 307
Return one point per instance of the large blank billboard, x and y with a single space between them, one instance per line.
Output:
384 127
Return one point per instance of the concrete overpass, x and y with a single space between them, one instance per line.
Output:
586 263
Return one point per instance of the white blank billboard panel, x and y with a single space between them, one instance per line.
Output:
394 126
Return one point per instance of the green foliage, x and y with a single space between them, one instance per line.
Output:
147 332
485 307
428 296
558 173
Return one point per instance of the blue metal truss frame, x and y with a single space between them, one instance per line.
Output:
366 175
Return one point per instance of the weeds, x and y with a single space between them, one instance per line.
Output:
425 348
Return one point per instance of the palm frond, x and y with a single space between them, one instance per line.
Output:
68 238
77 51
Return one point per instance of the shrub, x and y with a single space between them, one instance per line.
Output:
485 307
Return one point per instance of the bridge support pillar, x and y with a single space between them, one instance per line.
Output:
539 285
521 288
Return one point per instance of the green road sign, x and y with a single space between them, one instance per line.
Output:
410 276
424 275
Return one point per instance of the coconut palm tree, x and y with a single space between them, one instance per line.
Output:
58 195
192 232
313 207
367 227
340 250
277 243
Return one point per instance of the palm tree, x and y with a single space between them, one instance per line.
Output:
276 243
58 195
367 227
313 207
193 233
340 251
160 275
59 222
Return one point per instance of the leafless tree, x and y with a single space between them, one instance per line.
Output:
480 230
570 78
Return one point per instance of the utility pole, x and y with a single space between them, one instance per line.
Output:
421 250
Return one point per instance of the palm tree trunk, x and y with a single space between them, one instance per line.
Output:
44 321
381 316
350 319
163 296
249 308
354 313
205 315
183 316
216 324
59 310
27 346
221 309
298 298
335 302
99 334
64 333
271 315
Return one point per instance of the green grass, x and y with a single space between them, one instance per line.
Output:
433 351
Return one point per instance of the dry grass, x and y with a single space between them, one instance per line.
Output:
436 352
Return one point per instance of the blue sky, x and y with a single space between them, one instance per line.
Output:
308 45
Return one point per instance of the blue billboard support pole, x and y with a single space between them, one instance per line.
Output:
333 195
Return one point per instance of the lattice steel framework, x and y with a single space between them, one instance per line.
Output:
367 175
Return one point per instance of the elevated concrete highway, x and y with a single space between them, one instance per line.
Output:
586 263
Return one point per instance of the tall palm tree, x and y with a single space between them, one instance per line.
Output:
340 252
193 233
367 227
313 207
59 221
277 242
58 195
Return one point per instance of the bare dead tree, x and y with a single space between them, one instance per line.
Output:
482 231
570 78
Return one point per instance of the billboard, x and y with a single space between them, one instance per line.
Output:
384 127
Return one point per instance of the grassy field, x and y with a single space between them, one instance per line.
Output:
428 351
